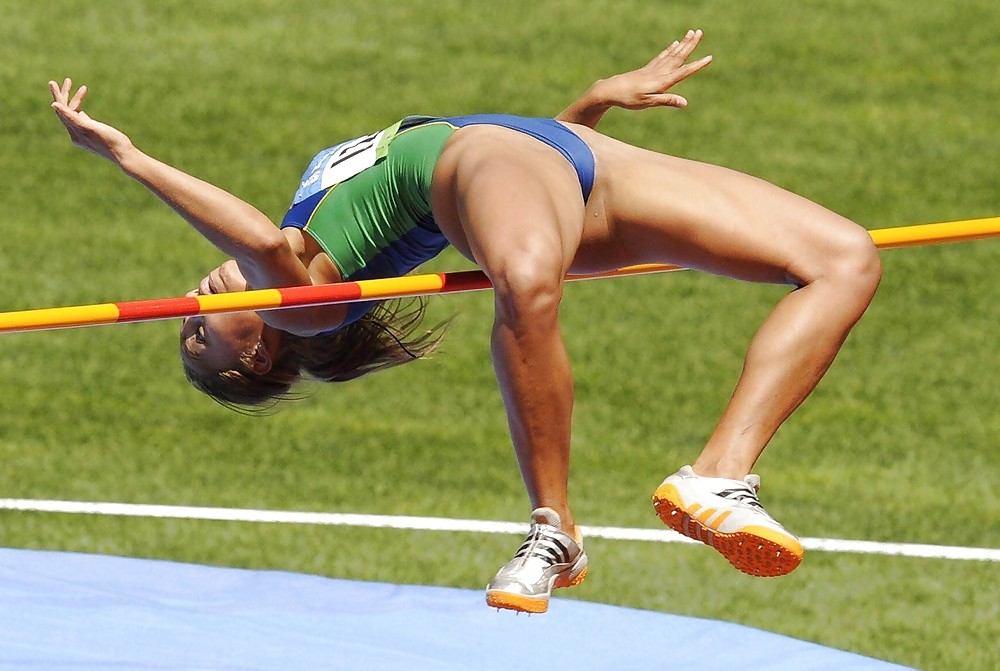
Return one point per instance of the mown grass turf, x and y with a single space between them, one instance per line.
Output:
883 110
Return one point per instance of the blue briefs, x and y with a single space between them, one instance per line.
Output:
549 131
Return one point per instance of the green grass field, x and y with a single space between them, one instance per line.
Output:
884 110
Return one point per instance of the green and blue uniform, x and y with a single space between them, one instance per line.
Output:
366 201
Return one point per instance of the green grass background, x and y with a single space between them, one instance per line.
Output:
884 110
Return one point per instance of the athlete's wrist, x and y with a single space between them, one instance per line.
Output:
589 107
129 159
600 96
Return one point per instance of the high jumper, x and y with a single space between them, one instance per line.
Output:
528 201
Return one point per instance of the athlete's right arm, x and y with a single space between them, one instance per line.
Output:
235 227
642 88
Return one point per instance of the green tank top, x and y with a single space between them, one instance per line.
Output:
366 202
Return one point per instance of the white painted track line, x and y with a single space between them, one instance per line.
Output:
475 526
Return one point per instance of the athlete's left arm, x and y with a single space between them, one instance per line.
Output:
234 226
642 88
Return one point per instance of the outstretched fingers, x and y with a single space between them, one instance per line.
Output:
670 64
688 44
60 94
689 69
670 68
85 132
78 99
680 50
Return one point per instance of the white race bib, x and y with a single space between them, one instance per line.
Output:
349 158
343 161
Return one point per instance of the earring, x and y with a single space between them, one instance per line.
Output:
247 357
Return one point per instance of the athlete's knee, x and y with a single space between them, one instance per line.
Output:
858 265
848 263
526 287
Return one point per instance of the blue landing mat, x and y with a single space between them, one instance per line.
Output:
63 611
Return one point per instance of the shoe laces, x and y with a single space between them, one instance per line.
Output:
544 543
745 492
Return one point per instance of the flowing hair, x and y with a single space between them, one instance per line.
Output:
383 338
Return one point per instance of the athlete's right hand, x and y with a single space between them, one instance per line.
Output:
86 133
647 86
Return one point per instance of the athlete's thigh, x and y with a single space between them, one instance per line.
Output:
667 209
510 199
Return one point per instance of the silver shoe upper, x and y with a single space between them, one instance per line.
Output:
545 554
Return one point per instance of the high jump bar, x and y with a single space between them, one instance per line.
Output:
397 287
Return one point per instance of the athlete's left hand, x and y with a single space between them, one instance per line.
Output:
86 133
647 86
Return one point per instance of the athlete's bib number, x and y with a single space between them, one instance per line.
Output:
349 158
343 161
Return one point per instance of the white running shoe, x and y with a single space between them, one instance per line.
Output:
727 515
548 558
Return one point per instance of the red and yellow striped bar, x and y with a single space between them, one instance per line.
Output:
397 287
928 234
54 318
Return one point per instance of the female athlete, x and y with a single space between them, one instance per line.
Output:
527 200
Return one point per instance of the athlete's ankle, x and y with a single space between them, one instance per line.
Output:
731 469
567 524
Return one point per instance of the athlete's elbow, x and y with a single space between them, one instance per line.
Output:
269 247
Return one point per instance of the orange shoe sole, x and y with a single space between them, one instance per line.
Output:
524 604
756 551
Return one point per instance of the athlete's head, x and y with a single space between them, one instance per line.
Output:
235 358
246 365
